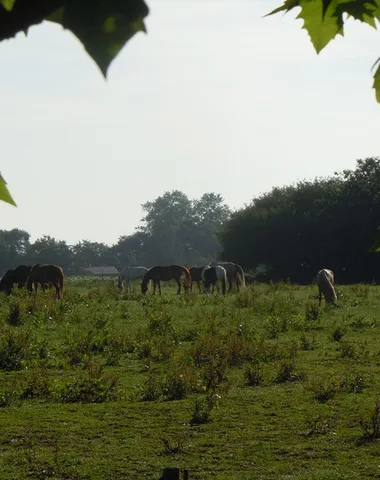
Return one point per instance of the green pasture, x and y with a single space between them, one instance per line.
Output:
261 384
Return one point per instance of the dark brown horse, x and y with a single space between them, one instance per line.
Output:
211 276
166 272
17 275
46 274
234 274
196 276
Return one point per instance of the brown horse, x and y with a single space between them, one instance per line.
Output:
166 272
17 275
196 276
46 274
325 282
234 274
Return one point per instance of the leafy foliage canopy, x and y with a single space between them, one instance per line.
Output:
325 19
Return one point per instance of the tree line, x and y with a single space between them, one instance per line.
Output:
297 230
174 229
288 233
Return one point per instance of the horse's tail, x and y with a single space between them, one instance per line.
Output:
187 282
240 275
61 277
224 282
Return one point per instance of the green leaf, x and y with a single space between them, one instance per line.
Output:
4 193
376 80
321 26
365 11
102 26
287 6
7 4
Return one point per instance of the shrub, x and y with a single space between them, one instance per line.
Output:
203 407
371 426
92 386
14 348
286 372
253 374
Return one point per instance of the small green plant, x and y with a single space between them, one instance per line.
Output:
323 390
286 372
273 327
253 374
38 385
15 346
14 316
354 383
173 444
347 349
203 407
318 425
371 426
306 343
92 386
337 333
180 382
312 312
151 390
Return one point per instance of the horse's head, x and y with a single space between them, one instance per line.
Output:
144 287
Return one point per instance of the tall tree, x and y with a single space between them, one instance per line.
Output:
13 246
49 250
328 223
92 254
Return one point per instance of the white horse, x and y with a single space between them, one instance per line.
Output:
325 282
128 274
211 276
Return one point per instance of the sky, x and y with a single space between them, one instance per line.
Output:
214 98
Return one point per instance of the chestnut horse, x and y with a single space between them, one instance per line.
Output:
196 276
166 272
45 274
325 282
17 275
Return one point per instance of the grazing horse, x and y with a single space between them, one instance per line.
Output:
17 275
325 282
211 276
166 272
46 274
128 274
196 276
234 274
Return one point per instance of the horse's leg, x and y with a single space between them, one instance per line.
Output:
320 297
154 287
229 283
159 287
199 286
29 285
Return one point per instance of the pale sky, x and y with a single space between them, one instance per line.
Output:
214 98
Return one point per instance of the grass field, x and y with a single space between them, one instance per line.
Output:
261 384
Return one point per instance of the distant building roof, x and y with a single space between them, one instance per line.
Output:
102 270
